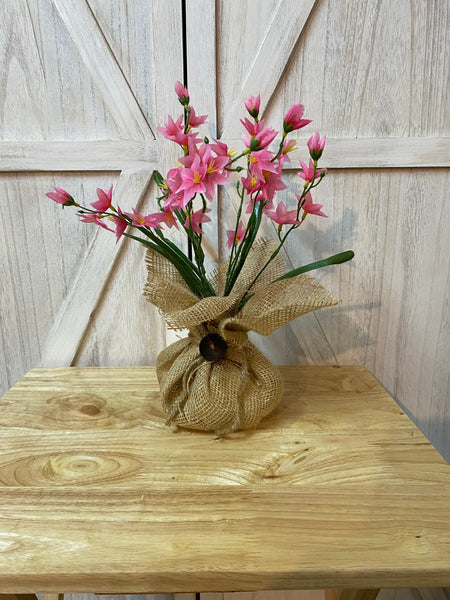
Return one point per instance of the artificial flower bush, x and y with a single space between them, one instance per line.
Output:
251 291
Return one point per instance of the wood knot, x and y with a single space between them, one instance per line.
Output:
90 409
77 410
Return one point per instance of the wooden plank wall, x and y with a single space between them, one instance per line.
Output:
94 79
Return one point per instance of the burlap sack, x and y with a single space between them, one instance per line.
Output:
241 387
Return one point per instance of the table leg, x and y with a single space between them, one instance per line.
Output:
341 594
53 596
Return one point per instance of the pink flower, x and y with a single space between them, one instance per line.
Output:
182 93
193 179
173 179
261 140
251 184
309 207
138 218
307 172
239 235
61 197
316 145
293 118
193 151
214 172
260 162
152 221
169 219
104 200
282 216
266 136
196 120
220 148
252 104
272 183
268 204
260 136
174 131
120 223
288 146
196 220
252 128
175 199
93 218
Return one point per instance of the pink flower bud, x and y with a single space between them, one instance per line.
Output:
182 93
316 145
252 104
61 197
293 118
104 200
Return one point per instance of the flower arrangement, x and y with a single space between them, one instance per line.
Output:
251 291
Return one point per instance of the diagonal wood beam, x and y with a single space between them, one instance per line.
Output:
272 57
72 322
101 63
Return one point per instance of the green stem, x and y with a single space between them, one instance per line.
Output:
253 227
249 229
233 247
280 148
272 256
244 153
188 275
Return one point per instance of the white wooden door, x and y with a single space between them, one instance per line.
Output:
84 84
374 78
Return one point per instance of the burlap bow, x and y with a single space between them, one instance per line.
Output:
271 305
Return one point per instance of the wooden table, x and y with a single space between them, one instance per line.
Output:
336 489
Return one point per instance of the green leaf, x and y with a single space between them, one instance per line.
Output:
336 259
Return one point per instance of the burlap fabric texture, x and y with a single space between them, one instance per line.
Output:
238 390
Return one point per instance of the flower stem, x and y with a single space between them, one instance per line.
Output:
245 247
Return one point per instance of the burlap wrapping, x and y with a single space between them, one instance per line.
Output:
241 388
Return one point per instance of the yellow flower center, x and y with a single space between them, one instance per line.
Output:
290 147
197 177
212 168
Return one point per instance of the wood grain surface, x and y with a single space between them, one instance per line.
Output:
337 488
